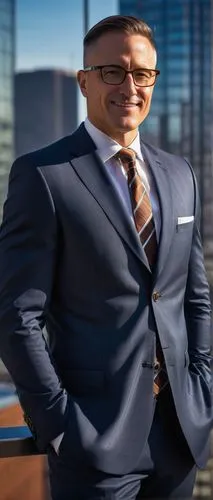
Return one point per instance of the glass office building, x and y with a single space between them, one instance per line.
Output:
7 30
180 120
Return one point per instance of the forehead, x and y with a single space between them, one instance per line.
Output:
117 48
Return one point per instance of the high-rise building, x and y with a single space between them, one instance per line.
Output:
45 107
7 30
180 120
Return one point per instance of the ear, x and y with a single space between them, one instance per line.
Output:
82 82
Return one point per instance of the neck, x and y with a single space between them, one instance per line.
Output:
125 139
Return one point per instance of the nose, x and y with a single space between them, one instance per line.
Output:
128 86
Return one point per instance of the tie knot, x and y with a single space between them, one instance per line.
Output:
127 157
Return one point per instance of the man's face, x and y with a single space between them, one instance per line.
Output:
117 110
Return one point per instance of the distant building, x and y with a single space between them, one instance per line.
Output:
181 115
45 108
7 29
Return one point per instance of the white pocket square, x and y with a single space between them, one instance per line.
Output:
185 220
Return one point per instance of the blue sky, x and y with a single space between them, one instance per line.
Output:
49 32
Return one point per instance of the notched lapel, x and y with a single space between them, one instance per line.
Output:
97 180
161 177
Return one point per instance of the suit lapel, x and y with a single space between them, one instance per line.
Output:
161 177
95 177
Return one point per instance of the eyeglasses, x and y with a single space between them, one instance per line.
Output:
115 75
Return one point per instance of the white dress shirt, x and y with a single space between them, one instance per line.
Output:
106 149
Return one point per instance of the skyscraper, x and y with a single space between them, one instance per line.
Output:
180 120
45 107
7 29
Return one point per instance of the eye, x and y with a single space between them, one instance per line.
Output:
142 73
112 71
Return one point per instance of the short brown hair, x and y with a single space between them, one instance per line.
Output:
126 24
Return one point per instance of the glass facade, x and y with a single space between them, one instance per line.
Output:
6 92
180 120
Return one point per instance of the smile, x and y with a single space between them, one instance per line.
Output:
125 104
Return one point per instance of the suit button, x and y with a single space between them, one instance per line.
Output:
156 296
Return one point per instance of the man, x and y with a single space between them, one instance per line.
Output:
100 243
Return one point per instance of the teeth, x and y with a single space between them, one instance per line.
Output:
130 104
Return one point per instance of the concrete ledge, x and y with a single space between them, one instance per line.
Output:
16 442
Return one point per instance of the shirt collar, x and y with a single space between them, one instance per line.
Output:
106 146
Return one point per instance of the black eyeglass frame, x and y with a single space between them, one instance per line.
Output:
94 68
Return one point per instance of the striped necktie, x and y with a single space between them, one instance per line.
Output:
144 222
141 206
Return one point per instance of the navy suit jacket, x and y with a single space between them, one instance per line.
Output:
70 259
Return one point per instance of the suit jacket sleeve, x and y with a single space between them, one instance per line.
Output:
28 250
197 306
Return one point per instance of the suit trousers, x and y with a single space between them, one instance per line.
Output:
165 469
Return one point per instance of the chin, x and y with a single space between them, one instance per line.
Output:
127 125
